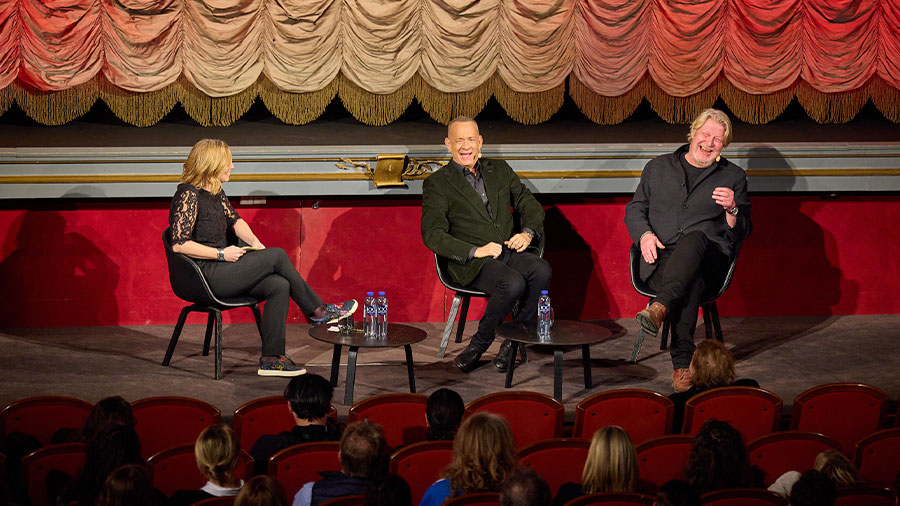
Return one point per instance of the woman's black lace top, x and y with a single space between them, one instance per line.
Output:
200 216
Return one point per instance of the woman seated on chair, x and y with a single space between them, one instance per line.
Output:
611 466
712 366
200 216
217 453
484 454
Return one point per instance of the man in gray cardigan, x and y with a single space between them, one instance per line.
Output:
466 218
689 214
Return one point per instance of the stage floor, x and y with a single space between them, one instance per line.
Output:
786 355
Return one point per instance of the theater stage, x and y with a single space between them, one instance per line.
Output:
785 354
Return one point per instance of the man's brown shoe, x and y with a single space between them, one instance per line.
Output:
681 379
652 317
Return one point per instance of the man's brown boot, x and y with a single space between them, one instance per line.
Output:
652 318
681 379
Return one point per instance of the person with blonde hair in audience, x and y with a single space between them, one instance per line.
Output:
484 454
712 366
129 486
611 466
217 453
831 463
261 491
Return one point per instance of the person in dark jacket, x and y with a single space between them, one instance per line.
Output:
362 459
688 216
466 219
309 400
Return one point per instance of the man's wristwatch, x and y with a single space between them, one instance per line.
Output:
733 211
220 255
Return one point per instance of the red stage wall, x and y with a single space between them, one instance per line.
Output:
101 263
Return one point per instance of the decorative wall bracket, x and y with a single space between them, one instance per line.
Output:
392 168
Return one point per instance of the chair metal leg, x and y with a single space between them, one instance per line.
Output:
586 361
463 312
664 337
707 321
409 369
717 326
218 319
638 341
210 321
172 342
445 336
257 316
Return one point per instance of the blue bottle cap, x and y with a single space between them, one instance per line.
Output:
544 292
370 294
380 293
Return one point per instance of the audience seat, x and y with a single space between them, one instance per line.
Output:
347 500
644 414
878 456
845 412
742 497
215 501
167 421
532 416
420 464
65 457
612 499
266 415
558 461
296 465
42 416
402 415
176 469
866 496
754 412
664 458
476 499
780 452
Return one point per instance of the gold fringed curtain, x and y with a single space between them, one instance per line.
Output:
142 57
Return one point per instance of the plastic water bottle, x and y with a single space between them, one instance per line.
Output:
544 316
381 306
370 329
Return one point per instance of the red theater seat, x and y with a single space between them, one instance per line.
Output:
266 415
176 469
866 496
477 499
662 459
558 461
420 464
780 452
845 412
42 416
402 415
532 416
754 412
644 414
215 501
612 499
878 456
742 497
66 457
167 421
296 465
347 500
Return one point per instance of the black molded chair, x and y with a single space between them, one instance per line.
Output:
708 306
464 295
189 284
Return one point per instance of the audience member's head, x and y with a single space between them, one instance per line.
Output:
389 490
718 459
444 413
484 453
525 487
111 447
838 467
309 397
677 493
217 454
813 488
362 448
712 365
128 486
262 490
611 464
109 411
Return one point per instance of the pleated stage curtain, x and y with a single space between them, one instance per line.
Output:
216 57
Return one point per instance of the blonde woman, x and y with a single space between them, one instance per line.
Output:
217 454
199 217
611 466
484 454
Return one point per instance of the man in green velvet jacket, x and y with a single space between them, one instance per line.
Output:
466 218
